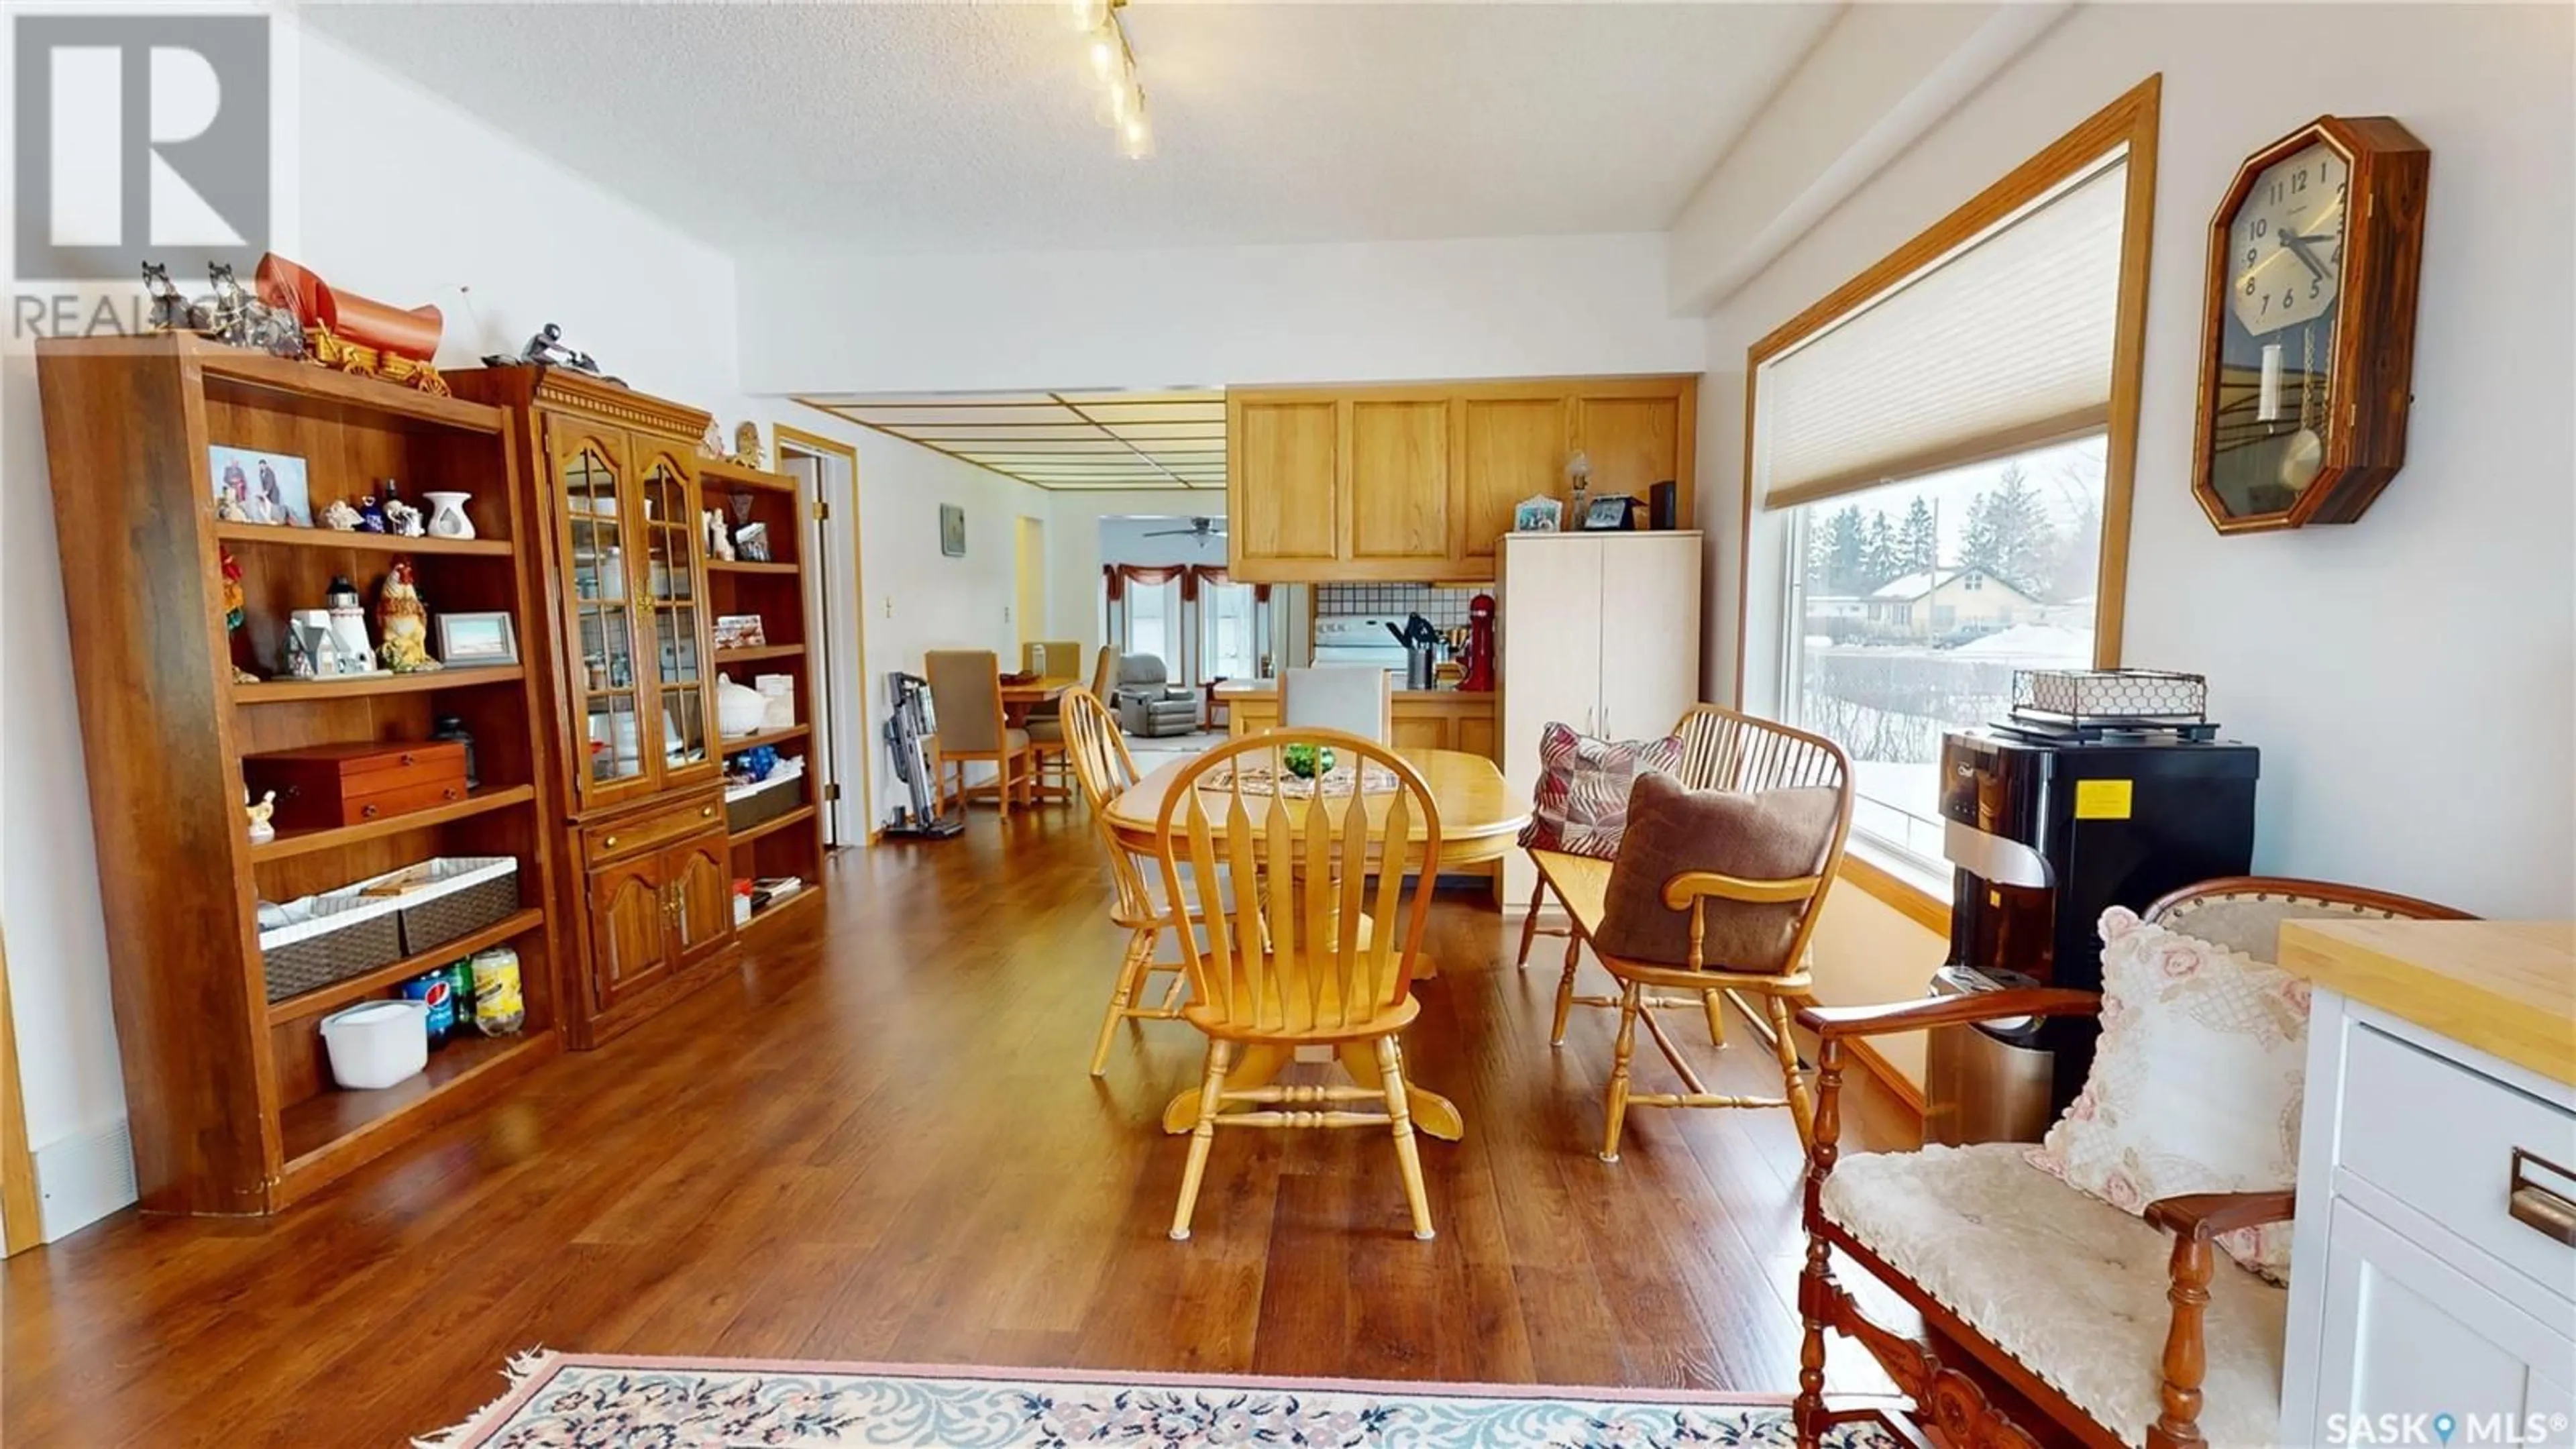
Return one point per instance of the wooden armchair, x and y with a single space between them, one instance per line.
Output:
1721 750
2046 1306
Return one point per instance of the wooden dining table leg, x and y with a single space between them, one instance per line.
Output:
1432 1113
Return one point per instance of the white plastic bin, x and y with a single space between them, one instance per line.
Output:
377 1043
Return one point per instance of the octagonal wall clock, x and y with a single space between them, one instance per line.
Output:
2308 350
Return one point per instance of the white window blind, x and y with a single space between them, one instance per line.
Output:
1999 346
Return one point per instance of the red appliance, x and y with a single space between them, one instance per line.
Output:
1480 644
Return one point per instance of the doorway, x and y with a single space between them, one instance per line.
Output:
1031 543
841 739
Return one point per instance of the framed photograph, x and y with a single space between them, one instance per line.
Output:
465 640
751 543
1610 514
740 631
260 487
952 530
1538 515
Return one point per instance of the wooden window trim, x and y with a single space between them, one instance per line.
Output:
2130 121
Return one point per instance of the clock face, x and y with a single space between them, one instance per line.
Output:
2284 269
2286 241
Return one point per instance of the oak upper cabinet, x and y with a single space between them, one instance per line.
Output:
1509 448
1399 492
1283 484
1418 481
1638 434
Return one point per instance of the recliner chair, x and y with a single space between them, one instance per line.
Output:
1149 704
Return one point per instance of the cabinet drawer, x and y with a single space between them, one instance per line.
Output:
644 831
2442 1138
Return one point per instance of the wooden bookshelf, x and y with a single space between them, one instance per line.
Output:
781 590
229 1097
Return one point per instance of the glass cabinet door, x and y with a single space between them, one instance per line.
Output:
674 587
601 608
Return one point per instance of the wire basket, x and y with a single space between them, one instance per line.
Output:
2110 696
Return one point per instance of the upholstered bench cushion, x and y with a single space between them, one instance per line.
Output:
2072 1287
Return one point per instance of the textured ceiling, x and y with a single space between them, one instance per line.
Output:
939 127
1072 441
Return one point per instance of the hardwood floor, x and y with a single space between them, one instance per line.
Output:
879 1143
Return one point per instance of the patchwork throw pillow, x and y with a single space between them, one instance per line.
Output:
1672 828
1582 799
2196 1083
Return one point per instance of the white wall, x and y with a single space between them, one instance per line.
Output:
404 212
917 598
2408 677
1489 307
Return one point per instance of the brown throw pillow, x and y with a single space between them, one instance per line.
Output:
1772 835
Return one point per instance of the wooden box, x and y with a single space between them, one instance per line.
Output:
323 786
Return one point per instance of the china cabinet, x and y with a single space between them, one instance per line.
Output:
615 476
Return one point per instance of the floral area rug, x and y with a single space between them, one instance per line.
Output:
599 1401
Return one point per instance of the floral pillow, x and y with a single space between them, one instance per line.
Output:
2196 1084
1581 805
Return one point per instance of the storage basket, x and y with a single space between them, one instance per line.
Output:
763 802
2087 696
455 897
338 935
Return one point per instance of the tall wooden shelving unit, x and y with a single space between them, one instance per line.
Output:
780 592
228 1095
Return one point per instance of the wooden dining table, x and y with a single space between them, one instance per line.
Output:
1019 699
1480 821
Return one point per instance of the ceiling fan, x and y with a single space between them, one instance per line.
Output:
1201 529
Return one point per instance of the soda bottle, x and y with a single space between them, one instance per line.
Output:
460 977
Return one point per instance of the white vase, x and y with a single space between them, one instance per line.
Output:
738 710
447 515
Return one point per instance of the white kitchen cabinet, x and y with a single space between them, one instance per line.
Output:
1600 631
2420 1286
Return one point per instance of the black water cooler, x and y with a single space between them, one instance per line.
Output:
2050 817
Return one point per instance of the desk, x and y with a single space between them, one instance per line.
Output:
1480 820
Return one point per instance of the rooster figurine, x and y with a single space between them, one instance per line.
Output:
402 623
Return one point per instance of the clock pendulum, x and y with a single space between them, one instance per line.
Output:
2305 457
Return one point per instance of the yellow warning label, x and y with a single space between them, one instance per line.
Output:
2102 799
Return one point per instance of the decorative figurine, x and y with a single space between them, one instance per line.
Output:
355 334
339 517
171 312
547 349
1578 476
712 445
231 509
354 655
719 541
746 444
261 832
371 515
403 520
447 515
237 319
231 570
402 622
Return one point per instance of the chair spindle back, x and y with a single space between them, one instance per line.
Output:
1312 929
1103 768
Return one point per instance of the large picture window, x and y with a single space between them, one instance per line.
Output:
1939 471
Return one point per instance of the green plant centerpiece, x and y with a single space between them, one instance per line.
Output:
1309 762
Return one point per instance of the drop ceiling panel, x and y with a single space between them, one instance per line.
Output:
1093 441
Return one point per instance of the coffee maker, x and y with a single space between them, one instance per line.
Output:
2101 788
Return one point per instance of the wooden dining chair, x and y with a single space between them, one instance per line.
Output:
1311 933
1723 750
1103 767
1048 760
966 692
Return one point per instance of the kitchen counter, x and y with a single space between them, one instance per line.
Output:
2507 988
1269 689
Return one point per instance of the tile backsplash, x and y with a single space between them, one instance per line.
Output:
1446 608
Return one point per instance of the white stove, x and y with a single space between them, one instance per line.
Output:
1358 639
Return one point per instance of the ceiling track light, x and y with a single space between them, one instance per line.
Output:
1112 63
